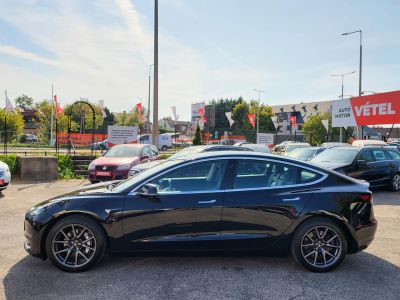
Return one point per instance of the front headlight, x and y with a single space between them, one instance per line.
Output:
91 166
124 167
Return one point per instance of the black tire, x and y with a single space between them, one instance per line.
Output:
77 259
395 183
310 251
164 148
94 181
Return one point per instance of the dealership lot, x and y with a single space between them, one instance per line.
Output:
375 273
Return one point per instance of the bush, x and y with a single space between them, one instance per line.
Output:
65 169
11 161
165 156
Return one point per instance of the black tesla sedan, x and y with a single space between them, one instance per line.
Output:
380 166
209 201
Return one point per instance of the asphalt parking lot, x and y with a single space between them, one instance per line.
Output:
372 274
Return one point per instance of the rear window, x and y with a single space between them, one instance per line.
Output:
394 154
307 176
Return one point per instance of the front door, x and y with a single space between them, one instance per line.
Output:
186 213
265 198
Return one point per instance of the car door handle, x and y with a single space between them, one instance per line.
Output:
292 199
207 202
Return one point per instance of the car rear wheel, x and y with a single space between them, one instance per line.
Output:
164 148
75 243
319 245
395 185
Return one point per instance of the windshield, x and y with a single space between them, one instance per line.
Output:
303 153
123 151
336 155
131 181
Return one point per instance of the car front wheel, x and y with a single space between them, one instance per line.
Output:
75 243
319 245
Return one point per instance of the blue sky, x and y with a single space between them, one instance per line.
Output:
208 49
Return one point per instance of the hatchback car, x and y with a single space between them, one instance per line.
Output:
118 160
380 166
219 201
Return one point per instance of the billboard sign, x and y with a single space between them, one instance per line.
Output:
383 108
122 135
265 138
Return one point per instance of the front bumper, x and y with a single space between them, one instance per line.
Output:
32 244
115 175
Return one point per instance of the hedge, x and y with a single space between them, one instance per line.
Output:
11 161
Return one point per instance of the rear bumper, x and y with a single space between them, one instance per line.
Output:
365 234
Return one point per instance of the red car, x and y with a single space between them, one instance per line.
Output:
117 161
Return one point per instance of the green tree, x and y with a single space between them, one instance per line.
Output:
15 124
314 131
197 136
24 102
43 115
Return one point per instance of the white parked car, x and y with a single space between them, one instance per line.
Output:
5 176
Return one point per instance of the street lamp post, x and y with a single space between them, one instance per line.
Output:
258 113
360 73
148 102
342 75
155 81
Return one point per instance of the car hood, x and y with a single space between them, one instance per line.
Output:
115 161
329 164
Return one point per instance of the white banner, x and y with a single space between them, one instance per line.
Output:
122 135
342 114
265 138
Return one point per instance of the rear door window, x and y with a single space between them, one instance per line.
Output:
307 176
263 173
379 155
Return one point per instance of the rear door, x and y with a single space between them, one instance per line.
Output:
185 214
265 198
382 167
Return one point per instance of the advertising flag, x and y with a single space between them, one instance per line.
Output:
9 106
229 117
59 109
293 122
173 108
275 121
251 120
101 104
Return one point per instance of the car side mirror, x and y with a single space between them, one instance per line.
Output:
361 163
149 190
145 157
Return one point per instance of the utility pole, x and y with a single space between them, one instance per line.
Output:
360 75
258 112
148 102
52 115
155 86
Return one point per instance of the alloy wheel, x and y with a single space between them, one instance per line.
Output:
74 246
321 246
396 182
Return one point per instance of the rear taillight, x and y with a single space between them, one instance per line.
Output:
365 198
